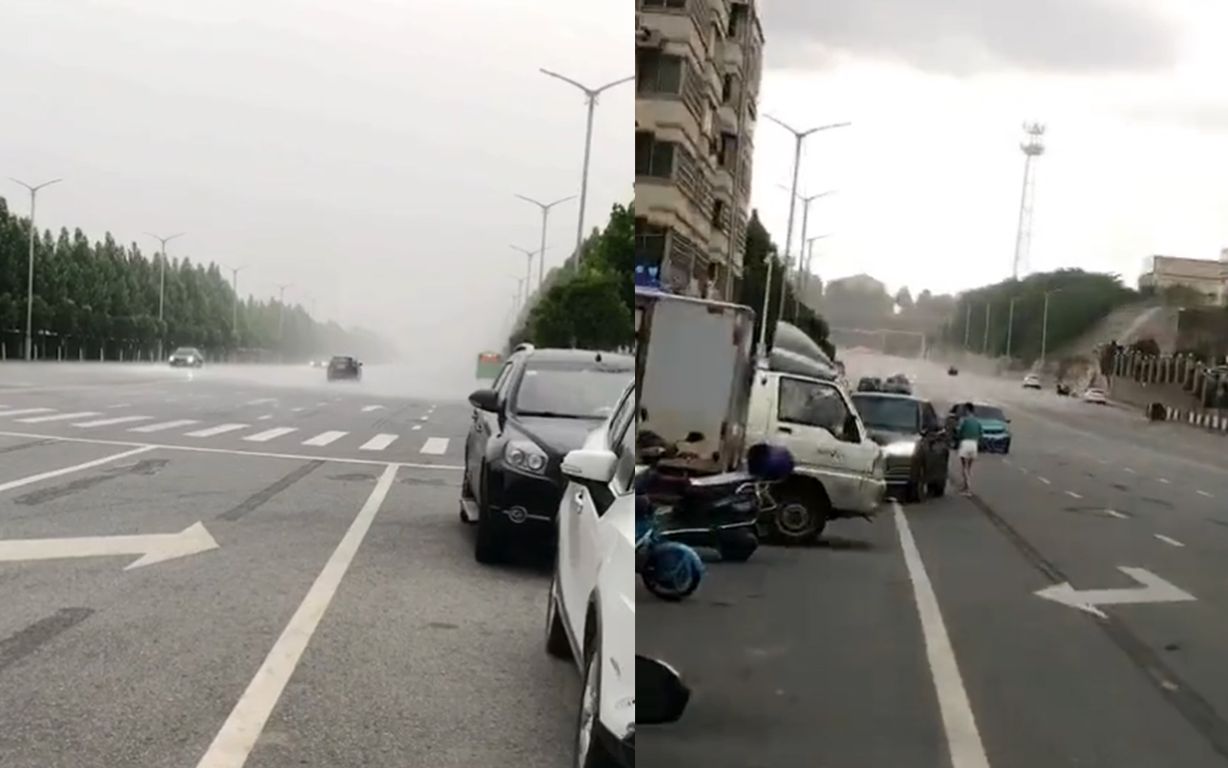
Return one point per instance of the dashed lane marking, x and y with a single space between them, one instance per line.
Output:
1115 513
24 411
1044 480
1169 540
1205 494
378 443
59 417
1073 495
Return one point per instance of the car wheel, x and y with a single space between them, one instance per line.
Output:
800 515
591 752
914 492
938 488
557 644
488 547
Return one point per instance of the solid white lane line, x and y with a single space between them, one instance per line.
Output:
1207 495
378 443
238 735
959 723
436 446
269 434
1073 495
162 425
232 451
59 417
218 430
1114 513
1169 540
1044 480
24 411
324 438
111 421
75 468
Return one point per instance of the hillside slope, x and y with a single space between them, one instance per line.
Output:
1127 324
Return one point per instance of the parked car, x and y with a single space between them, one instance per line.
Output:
590 612
1031 381
898 384
1095 395
870 384
189 357
542 404
995 427
343 367
914 443
952 371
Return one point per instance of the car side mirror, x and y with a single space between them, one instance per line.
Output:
660 695
590 466
485 400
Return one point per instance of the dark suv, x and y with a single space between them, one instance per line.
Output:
913 440
344 368
543 403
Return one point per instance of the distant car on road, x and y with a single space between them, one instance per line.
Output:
189 357
590 616
1031 381
542 404
913 441
995 426
952 371
870 384
898 385
344 367
1095 395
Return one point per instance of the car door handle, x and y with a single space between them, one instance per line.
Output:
785 430
577 501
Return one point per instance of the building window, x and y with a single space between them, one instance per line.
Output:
737 17
657 72
729 92
649 242
653 157
728 150
718 214
678 4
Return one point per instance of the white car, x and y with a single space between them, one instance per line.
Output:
1031 381
591 614
1095 395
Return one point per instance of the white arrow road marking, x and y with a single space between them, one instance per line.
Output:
378 443
24 411
59 417
162 425
324 438
369 408
112 421
436 446
1152 589
1169 540
959 723
270 434
239 734
153 547
218 430
75 468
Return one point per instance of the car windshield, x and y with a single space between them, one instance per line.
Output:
342 360
186 351
990 412
571 391
891 413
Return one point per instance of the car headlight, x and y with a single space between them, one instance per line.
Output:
525 456
903 448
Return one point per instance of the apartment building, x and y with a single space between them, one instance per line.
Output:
698 67
1206 276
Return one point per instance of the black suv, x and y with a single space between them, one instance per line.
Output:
913 439
344 368
543 403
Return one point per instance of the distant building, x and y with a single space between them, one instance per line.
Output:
698 67
1206 276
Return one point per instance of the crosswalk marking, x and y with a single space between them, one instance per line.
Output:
270 434
164 425
324 438
218 430
379 442
24 411
112 421
59 417
436 446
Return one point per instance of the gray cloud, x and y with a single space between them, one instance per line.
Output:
965 37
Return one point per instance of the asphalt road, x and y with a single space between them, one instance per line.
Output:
291 590
919 639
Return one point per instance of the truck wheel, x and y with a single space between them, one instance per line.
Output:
800 515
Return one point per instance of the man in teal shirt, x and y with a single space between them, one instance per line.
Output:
969 436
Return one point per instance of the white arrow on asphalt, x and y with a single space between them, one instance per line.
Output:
153 547
1151 589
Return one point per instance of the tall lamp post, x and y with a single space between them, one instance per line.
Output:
1044 325
808 251
34 188
799 137
545 208
281 316
590 94
528 267
234 309
162 281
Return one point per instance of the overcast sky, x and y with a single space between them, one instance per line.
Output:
366 151
929 175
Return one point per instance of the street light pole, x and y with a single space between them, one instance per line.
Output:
985 343
590 95
799 137
1010 327
528 267
1044 326
545 207
34 188
967 325
234 309
807 250
281 314
162 282
806 201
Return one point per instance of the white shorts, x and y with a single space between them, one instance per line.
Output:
967 449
